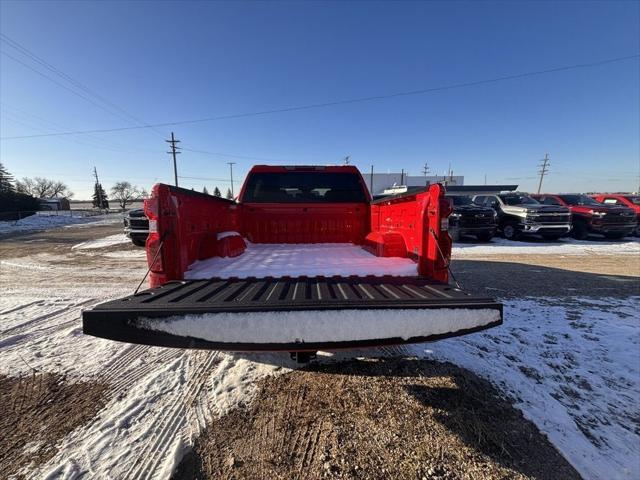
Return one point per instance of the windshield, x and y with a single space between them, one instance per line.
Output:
304 187
458 201
518 200
579 200
635 199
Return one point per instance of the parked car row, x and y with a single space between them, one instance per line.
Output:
512 214
552 216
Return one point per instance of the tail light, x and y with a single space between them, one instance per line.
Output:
446 207
154 258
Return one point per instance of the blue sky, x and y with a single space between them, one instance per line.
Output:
171 61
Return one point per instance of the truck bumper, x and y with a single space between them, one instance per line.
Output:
546 228
604 228
477 230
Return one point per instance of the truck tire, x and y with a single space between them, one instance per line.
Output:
454 233
510 231
615 235
484 237
580 231
138 242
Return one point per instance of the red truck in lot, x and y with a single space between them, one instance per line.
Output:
303 261
590 216
625 200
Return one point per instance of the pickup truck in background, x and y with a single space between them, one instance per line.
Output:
592 217
136 226
626 200
468 218
303 261
519 214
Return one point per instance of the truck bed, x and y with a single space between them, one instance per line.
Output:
292 313
312 259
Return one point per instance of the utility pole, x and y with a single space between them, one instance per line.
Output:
347 159
174 151
231 164
98 187
544 169
402 177
485 178
371 181
425 170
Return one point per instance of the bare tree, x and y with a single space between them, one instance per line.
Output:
59 189
40 187
125 194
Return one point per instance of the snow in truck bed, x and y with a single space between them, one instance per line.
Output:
310 259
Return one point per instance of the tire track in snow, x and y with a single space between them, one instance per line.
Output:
131 352
20 307
29 325
134 375
172 420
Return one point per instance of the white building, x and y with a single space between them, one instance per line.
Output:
382 181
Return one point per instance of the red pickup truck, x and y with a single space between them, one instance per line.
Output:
590 216
304 260
626 200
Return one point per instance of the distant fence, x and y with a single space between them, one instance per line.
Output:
19 215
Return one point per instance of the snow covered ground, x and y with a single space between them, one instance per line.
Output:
571 364
109 241
46 220
573 368
160 400
565 246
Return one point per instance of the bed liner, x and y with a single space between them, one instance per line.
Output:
297 259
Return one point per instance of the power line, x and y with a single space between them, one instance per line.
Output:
232 155
77 84
343 102
225 180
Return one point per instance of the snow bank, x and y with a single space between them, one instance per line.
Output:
573 369
261 260
45 220
109 241
500 246
322 325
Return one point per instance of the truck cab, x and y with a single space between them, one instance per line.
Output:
519 214
304 260
592 217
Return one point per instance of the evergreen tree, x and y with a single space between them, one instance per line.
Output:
229 195
204 190
6 180
216 192
98 194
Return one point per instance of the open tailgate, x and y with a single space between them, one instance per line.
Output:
292 313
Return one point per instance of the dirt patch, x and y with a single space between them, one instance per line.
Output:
400 418
37 411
